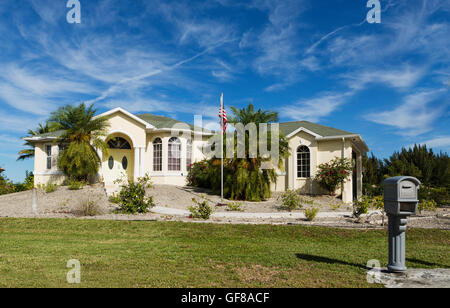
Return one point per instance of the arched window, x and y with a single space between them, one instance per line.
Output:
174 154
119 143
157 154
303 162
188 154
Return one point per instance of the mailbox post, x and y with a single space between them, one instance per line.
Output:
400 201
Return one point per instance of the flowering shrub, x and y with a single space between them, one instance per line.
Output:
334 173
132 198
6 187
199 175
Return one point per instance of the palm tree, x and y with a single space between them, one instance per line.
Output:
81 139
42 129
245 179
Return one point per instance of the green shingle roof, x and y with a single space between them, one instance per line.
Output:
162 121
324 131
54 134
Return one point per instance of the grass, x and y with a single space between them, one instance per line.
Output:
34 253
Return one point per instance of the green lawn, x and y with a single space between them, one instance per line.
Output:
34 253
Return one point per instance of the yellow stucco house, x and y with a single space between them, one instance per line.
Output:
144 144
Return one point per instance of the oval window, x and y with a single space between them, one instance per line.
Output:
111 162
124 163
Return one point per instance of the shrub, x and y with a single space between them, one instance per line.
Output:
201 210
331 175
132 199
29 180
440 194
235 207
363 205
48 188
290 200
372 190
427 205
87 207
311 213
199 174
75 185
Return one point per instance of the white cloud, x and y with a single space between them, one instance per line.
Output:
415 116
439 142
403 77
316 108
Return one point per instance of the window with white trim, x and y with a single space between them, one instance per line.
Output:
188 155
303 162
48 151
157 154
174 154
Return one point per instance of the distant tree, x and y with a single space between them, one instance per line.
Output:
422 163
373 170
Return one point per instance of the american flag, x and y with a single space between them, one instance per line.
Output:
223 115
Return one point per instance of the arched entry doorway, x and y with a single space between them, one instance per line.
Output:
119 162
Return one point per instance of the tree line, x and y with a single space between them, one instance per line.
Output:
432 169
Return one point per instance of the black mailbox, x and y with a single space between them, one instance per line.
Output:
401 195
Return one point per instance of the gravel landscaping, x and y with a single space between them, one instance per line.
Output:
64 203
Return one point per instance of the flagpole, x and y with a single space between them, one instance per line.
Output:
221 147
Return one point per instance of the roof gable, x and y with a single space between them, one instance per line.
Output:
288 128
129 114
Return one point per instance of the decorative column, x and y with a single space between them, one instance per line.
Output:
142 169
136 163
100 169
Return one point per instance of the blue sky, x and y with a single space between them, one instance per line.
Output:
316 60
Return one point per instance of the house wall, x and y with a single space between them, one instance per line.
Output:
42 175
321 152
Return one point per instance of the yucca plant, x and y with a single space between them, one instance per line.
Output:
81 139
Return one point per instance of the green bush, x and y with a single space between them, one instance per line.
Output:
132 198
331 175
199 174
365 203
48 188
440 194
75 185
372 190
311 213
235 207
29 180
427 205
290 200
201 210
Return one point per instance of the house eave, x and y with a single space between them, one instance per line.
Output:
353 137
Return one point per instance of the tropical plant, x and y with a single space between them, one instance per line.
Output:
42 129
235 207
81 139
201 210
132 196
244 178
333 174
290 200
311 213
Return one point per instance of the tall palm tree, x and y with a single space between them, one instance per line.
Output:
42 129
81 139
245 178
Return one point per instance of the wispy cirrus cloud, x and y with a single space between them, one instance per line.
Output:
416 115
